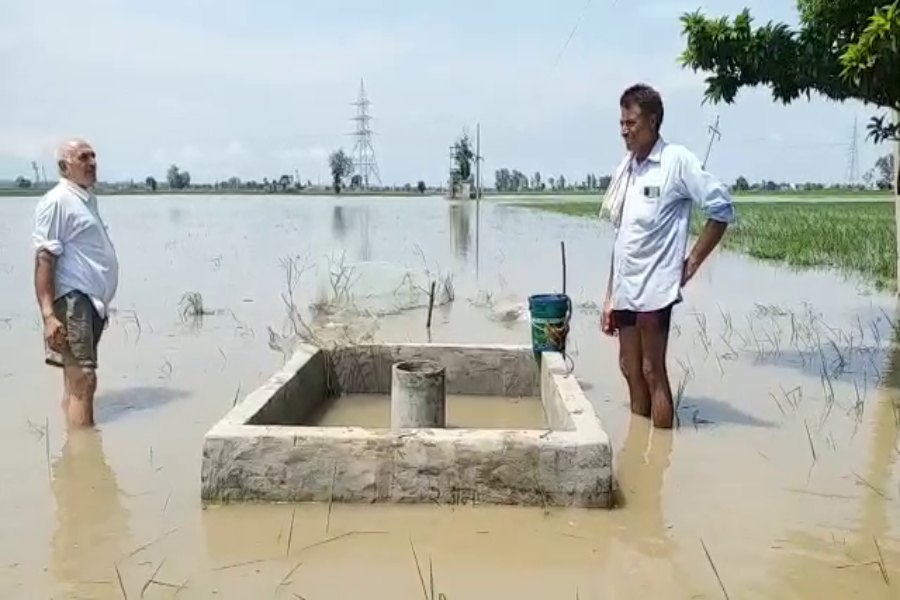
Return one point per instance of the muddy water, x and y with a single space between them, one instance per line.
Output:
783 474
462 411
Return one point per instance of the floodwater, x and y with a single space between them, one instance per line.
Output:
462 411
782 480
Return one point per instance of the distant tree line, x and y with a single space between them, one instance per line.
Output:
506 180
878 177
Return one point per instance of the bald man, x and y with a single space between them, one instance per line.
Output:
75 279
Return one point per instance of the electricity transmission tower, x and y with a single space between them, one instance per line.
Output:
853 156
364 163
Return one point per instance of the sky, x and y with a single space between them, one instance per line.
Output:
257 89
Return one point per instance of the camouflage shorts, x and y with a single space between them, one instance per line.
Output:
83 330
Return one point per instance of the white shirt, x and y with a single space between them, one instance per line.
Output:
68 225
651 241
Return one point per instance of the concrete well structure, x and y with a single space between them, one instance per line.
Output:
268 448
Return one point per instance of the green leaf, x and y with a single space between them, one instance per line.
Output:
842 49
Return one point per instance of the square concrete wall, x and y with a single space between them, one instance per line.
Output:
262 450
471 370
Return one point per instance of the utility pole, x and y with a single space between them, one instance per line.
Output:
451 192
714 133
853 157
478 161
896 187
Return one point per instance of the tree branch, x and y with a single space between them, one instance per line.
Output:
843 49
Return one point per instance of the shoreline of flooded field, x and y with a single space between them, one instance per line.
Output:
782 477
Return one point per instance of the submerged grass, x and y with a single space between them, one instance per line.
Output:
852 237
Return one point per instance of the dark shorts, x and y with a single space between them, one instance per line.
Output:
662 317
83 330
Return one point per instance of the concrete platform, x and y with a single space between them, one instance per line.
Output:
264 450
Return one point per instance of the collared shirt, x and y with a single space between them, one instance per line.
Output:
651 241
68 225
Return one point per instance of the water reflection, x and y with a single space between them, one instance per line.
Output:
91 521
642 464
460 228
345 218
365 238
338 222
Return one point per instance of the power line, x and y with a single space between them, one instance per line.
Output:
571 35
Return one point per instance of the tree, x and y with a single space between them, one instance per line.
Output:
341 167
285 181
22 182
151 183
842 49
536 180
604 181
177 179
421 187
884 171
741 184
462 157
503 180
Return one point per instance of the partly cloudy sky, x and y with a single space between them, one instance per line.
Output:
256 89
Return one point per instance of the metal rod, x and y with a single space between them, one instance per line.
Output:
562 247
430 306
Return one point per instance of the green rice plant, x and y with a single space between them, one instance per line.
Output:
855 238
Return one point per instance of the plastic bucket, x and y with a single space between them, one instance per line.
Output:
550 314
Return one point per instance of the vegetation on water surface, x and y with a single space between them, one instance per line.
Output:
857 237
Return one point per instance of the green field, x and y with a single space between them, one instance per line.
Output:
741 194
852 237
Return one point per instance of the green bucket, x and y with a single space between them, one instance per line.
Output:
550 314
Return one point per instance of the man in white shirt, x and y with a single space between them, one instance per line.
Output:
76 277
650 208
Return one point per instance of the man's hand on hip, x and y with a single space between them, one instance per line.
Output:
54 333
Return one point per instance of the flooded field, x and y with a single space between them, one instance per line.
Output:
782 480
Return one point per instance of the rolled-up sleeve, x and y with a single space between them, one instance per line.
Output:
710 194
49 229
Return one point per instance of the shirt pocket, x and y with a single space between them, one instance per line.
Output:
645 209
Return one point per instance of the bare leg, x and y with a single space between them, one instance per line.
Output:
654 334
630 359
81 385
65 396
